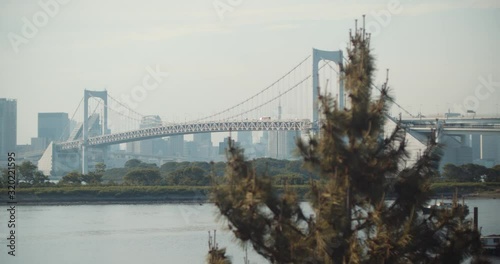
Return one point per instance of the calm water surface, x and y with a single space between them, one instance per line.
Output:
153 233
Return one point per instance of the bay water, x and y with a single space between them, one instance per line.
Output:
138 233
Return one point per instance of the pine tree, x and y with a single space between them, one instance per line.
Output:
358 166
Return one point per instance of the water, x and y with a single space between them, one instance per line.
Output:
152 233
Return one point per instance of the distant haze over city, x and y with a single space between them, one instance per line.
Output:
204 56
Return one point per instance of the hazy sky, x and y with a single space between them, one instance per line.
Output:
440 53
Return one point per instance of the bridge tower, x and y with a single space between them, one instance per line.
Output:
103 95
318 55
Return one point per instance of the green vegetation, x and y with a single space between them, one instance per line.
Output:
184 181
282 172
121 193
144 176
60 194
72 178
191 176
471 173
464 187
198 173
92 178
357 165
27 174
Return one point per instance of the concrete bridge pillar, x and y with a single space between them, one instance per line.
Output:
481 146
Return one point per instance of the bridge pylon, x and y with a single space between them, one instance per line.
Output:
103 95
317 56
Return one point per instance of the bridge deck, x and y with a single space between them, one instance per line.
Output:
190 128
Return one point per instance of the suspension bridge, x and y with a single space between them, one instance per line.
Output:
287 104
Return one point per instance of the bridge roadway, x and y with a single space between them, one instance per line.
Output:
460 128
256 125
189 128
456 125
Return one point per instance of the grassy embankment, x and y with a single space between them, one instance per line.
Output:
194 193
111 194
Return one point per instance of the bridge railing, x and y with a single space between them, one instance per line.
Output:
463 127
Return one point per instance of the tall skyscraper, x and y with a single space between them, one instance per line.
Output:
151 146
245 138
8 127
176 146
223 146
203 146
277 145
281 144
53 126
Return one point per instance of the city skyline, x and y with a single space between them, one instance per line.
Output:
438 53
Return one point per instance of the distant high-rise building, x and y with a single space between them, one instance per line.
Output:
203 146
53 126
175 146
133 147
223 146
261 148
151 146
8 127
245 138
277 146
291 142
203 138
39 144
281 144
190 150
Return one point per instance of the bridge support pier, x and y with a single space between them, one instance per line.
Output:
85 128
85 165
481 146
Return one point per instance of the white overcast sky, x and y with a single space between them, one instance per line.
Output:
437 51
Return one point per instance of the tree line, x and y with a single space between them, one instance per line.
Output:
471 173
136 172
28 175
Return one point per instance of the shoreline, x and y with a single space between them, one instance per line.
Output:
179 199
99 200
107 202
75 195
